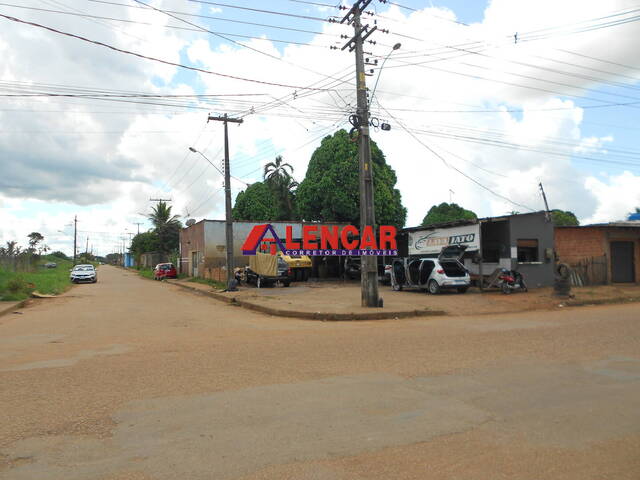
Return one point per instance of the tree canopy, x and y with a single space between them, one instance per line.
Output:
330 189
447 212
561 218
167 227
256 203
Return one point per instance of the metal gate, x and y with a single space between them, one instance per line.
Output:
622 268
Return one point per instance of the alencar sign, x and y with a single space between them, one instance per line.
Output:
323 241
427 242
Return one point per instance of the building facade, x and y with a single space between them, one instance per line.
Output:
603 253
203 247
523 242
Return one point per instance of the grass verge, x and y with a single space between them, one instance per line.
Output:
206 281
16 286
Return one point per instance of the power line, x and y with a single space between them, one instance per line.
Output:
166 62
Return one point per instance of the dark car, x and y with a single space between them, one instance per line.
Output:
352 267
164 270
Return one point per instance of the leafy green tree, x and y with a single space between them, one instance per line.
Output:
447 212
144 243
561 218
256 203
167 227
330 189
34 239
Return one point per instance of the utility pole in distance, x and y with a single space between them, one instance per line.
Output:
75 238
546 205
368 263
227 198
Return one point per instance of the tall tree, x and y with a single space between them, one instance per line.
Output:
277 170
330 189
256 203
447 212
561 218
167 226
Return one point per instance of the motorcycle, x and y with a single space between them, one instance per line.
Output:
510 280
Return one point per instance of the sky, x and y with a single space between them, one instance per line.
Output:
486 100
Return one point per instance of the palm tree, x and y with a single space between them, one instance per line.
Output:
167 226
277 175
276 171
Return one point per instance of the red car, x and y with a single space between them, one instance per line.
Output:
164 270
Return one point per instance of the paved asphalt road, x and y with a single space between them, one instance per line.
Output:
134 379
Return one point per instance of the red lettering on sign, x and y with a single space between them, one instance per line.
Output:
309 237
344 236
291 245
329 235
368 239
388 237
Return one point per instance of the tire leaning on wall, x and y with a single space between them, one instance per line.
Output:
562 281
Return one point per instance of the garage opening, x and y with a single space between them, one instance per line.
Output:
622 268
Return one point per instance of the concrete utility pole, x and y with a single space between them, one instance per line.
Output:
138 224
227 198
368 263
75 238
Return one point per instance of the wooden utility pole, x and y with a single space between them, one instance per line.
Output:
368 263
227 198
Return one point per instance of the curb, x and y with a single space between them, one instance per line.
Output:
323 316
12 307
602 301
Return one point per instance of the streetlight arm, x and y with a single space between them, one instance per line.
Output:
394 48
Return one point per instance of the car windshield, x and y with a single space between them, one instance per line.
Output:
168 266
83 268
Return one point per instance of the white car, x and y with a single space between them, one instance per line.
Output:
83 273
432 274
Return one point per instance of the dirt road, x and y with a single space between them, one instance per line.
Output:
134 379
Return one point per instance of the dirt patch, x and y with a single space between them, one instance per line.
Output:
343 298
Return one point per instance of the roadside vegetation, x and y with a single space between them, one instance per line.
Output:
206 281
18 285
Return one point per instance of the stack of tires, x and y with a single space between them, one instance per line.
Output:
562 282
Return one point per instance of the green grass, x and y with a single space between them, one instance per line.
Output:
45 280
146 273
206 281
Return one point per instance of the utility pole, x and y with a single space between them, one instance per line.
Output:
86 248
227 198
138 224
75 238
368 263
546 205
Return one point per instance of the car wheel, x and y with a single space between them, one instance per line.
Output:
462 289
396 287
259 282
286 284
434 288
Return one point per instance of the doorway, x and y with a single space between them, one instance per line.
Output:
622 262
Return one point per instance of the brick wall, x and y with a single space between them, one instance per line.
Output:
574 244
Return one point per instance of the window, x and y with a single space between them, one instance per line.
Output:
528 250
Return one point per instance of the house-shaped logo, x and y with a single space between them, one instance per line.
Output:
257 236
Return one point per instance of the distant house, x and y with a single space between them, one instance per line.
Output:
601 253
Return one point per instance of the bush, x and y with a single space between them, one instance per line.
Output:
17 285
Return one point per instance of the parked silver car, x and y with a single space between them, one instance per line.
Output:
83 273
432 274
